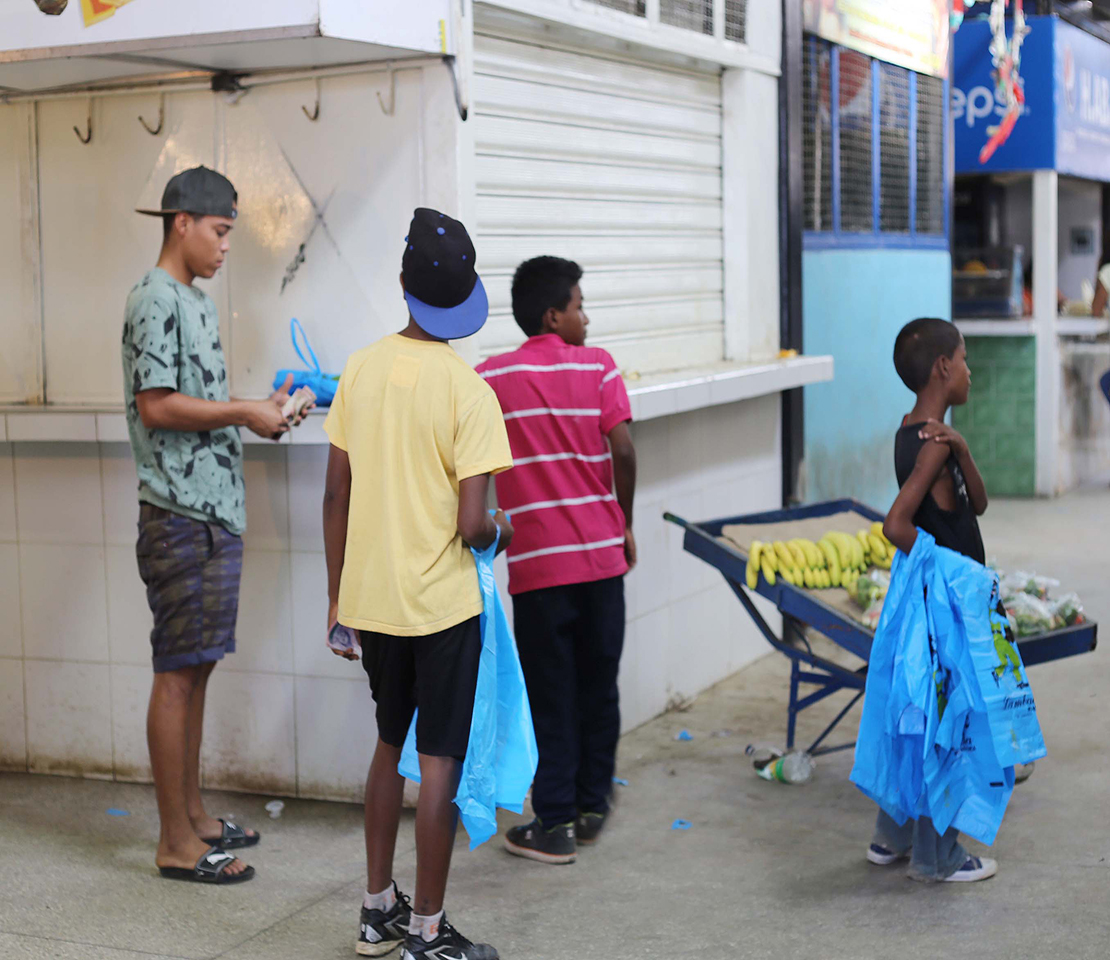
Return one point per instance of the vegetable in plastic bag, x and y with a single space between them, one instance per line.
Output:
1068 610
1030 614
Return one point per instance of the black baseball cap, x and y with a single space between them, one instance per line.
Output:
201 192
445 295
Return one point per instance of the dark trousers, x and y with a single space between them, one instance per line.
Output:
570 641
1104 382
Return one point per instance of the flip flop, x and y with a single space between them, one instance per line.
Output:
209 869
233 837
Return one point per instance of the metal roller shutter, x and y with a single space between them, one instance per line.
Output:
613 163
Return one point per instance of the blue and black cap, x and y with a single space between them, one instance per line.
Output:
199 191
444 293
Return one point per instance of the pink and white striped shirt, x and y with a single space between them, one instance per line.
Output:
560 402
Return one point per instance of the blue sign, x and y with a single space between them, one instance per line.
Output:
1065 122
976 105
1082 103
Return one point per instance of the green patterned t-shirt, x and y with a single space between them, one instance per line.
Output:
171 338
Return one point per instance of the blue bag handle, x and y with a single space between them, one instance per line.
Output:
294 327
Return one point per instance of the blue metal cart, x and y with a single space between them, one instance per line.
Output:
801 607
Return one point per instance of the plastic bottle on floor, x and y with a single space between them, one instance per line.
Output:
795 767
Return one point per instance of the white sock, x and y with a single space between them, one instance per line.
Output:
383 901
427 928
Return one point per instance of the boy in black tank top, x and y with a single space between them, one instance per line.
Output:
943 494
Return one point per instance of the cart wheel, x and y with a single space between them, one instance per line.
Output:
1023 771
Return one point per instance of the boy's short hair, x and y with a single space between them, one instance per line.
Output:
918 345
540 284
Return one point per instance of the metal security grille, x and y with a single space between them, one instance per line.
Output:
894 149
688 14
817 136
614 163
638 8
856 201
736 14
930 155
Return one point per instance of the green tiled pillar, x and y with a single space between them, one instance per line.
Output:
998 419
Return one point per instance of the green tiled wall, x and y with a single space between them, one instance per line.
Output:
998 420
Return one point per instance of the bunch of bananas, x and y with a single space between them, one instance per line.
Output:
836 560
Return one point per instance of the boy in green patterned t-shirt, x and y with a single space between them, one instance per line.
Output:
184 431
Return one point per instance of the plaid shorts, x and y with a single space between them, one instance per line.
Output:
191 570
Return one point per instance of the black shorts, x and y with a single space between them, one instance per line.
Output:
191 570
437 673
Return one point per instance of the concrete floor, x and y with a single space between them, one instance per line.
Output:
766 871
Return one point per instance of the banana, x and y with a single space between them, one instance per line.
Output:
752 574
833 558
767 558
837 540
807 576
768 572
878 548
754 557
787 574
847 547
861 536
814 557
877 529
826 580
798 554
784 553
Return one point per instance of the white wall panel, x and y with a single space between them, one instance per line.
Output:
615 164
94 246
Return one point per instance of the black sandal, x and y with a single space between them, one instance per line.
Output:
233 837
209 869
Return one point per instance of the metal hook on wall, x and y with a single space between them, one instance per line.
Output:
315 115
388 111
154 131
87 136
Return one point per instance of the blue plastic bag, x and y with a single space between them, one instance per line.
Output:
501 756
320 383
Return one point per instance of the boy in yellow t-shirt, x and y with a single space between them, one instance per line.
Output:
415 435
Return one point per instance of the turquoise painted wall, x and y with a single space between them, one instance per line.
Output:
854 302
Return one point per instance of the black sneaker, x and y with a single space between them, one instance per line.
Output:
588 827
383 931
449 945
534 841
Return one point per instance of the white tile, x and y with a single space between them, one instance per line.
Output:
13 731
653 403
41 426
249 733
69 718
112 428
687 445
688 574
653 459
7 494
628 680
653 639
58 493
264 634
311 655
130 696
653 572
129 617
308 467
336 735
267 499
11 641
65 614
121 494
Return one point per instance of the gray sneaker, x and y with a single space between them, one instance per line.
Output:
383 931
449 944
547 845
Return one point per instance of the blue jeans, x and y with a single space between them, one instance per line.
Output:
1104 382
934 857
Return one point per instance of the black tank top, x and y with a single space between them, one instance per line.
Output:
955 529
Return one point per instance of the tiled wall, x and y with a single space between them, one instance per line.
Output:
998 420
284 715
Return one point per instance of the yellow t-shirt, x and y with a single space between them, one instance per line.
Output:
415 419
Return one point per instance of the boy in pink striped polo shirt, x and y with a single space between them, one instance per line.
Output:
570 497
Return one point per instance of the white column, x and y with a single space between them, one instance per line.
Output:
1047 421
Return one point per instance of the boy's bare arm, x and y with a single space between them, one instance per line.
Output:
166 409
940 433
337 503
624 482
477 528
899 526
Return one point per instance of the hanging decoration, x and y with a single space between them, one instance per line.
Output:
51 7
1009 86
94 11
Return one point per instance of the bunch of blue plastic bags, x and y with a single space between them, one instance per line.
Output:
948 709
501 756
